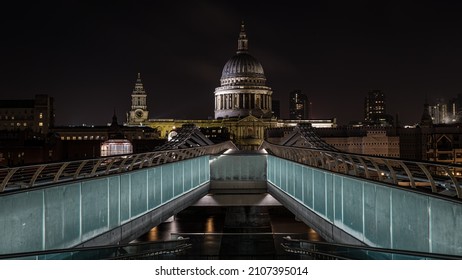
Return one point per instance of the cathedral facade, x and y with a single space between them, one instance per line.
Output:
243 89
242 103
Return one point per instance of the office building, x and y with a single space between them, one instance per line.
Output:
298 106
36 115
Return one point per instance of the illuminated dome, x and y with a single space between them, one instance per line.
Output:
242 65
243 89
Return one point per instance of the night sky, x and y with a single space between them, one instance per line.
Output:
86 54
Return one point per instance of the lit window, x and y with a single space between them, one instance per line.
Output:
18 124
41 115
40 123
68 138
80 138
74 138
25 124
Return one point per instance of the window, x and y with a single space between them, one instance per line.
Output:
41 116
40 123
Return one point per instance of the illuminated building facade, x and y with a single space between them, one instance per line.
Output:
375 109
117 144
374 143
377 141
243 89
139 111
298 106
79 142
115 147
374 105
36 115
443 112
439 112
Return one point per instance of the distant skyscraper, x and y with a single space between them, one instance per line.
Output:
298 105
455 108
445 113
374 105
439 112
375 109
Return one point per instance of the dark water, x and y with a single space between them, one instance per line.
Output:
238 232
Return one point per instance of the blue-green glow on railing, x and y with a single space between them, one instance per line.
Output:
238 167
377 214
66 215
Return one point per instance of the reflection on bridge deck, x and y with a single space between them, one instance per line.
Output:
234 232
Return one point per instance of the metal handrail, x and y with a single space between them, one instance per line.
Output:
355 252
30 176
437 178
136 250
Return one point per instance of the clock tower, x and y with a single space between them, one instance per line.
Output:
139 110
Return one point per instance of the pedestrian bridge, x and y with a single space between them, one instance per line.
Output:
350 199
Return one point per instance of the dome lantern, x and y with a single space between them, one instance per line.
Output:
242 42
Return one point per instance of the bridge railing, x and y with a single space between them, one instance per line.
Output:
21 177
437 178
328 250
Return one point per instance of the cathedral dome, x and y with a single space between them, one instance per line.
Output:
242 65
243 89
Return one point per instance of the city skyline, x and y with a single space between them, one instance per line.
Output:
87 55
